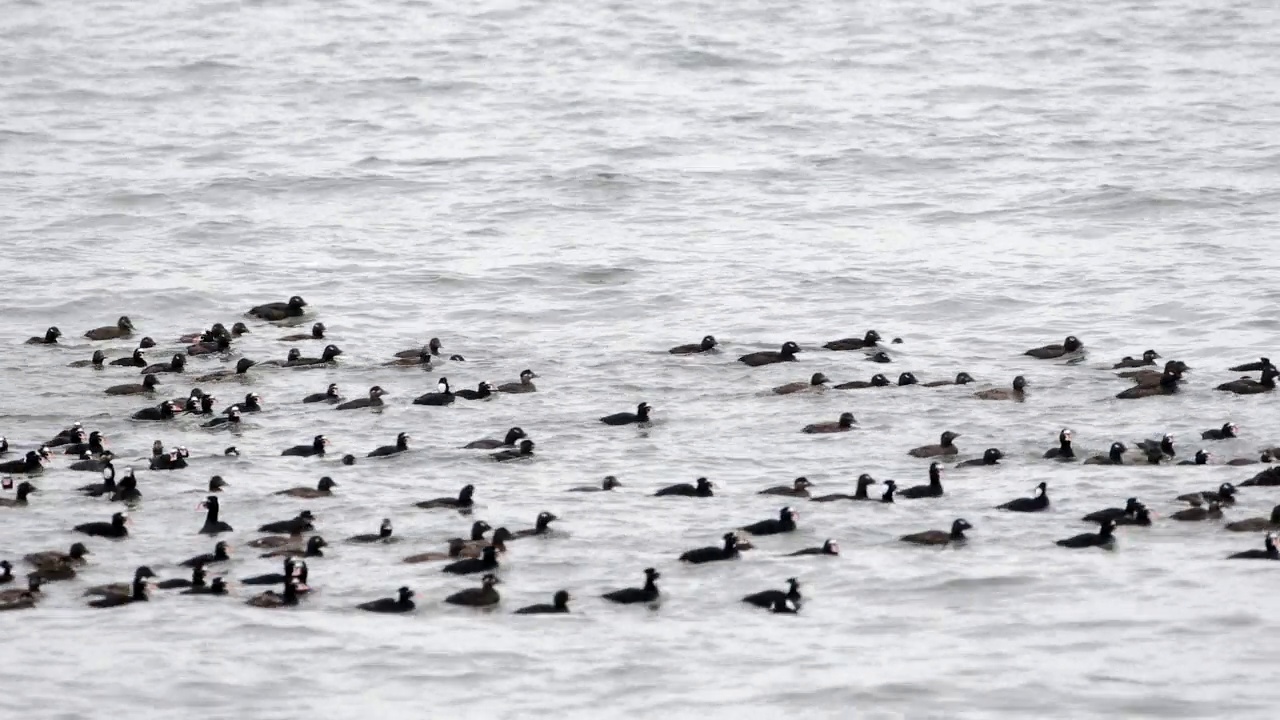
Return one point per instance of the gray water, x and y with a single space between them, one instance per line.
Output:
575 187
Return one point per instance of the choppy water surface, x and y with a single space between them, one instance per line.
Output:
575 187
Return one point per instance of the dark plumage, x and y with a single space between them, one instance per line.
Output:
864 481
164 411
1225 494
610 482
96 361
513 436
252 403
945 446
1049 352
461 502
1036 503
221 553
1201 458
1114 457
330 395
798 488
932 490
1168 383
631 596
769 357
127 491
212 525
1064 451
1147 377
198 575
302 522
708 343
278 310
272 600
442 396
869 340
843 424
815 383
217 587
374 400
456 547
963 378
136 359
175 459
431 348
122 328
1103 538
29 464
940 537
291 570
1249 386
1148 358
768 598
117 528
74 556
542 526
1226 432
702 489
990 456
1131 508
148 384
142 573
483 596
524 451
176 364
330 354
785 522
1269 551
106 487
641 415
231 419
220 344
559 604
401 603
1142 518
20 499
889 488
50 337
876 380
728 551
314 548
1197 513
1256 524
488 560
1251 366
828 547
138 593
402 445
525 385
384 535
317 333
316 448
1017 393
242 367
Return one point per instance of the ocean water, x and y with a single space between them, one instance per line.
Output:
573 188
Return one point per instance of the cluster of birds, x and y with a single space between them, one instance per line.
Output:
294 540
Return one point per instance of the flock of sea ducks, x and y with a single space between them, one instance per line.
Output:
294 541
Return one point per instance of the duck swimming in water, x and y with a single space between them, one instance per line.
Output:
769 357
843 424
1049 352
707 345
